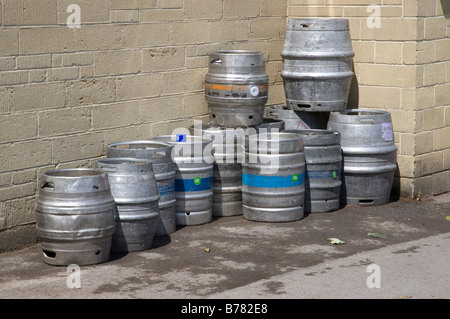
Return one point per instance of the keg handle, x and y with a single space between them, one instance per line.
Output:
305 25
216 61
108 169
367 121
49 186
272 113
159 154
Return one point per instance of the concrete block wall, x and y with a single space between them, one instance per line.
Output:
132 70
402 65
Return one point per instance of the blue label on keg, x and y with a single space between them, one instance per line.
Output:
181 138
166 189
323 174
193 185
269 181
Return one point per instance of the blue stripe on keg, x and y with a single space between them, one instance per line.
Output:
269 181
166 189
193 185
323 174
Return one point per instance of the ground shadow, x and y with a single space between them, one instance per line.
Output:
353 96
395 192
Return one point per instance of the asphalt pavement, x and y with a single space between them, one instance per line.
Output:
400 250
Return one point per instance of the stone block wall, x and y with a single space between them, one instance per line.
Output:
402 65
133 69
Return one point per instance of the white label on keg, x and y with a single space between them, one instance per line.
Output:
387 132
254 91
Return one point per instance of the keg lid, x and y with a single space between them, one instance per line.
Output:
74 180
318 24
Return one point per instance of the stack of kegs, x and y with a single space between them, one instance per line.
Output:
317 74
236 90
268 164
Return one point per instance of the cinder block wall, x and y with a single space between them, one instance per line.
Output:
134 69
402 66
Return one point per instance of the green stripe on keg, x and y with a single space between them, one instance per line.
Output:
270 181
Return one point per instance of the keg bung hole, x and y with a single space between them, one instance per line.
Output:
98 252
49 254
96 187
214 116
250 117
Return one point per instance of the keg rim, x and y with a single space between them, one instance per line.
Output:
194 139
124 160
361 112
74 172
237 52
286 136
324 132
339 24
138 142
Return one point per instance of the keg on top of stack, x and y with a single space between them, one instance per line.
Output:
236 90
317 74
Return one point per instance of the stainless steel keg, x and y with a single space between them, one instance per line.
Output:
236 88
317 64
163 167
273 175
134 189
75 217
369 152
193 160
227 171
323 158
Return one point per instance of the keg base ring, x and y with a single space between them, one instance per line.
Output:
193 218
322 206
64 253
273 215
372 201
